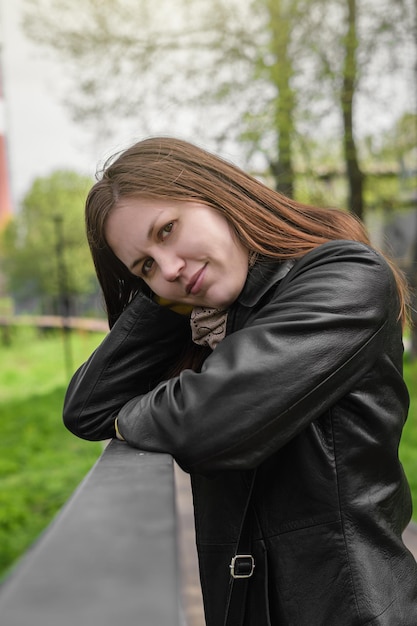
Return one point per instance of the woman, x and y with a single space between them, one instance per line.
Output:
258 341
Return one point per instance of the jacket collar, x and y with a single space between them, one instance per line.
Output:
263 275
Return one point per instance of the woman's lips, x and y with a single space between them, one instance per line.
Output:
196 281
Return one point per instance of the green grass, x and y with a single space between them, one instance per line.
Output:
34 361
41 463
408 446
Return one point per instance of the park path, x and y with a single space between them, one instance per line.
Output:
190 581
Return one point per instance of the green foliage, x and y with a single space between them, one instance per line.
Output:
6 306
41 463
47 232
391 160
408 446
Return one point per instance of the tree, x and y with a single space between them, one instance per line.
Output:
350 74
263 71
397 149
45 253
364 42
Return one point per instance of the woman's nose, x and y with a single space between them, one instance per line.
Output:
171 267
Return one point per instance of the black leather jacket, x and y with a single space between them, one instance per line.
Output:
306 387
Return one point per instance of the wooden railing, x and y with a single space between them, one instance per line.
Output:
55 321
110 557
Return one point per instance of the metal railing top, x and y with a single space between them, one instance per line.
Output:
110 556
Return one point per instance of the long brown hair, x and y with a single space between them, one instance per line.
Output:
267 222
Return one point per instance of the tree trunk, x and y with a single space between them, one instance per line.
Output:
281 72
353 171
412 277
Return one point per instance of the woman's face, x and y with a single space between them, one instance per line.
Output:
185 251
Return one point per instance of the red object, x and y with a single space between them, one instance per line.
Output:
5 196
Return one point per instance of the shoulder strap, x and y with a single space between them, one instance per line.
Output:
241 566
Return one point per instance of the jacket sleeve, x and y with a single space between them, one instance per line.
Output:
303 350
131 360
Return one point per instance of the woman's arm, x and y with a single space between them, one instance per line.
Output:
319 334
136 354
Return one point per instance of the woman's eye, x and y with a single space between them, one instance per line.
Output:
147 266
166 230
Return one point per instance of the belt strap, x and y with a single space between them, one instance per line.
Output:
241 566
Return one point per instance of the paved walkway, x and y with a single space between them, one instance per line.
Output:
410 538
190 585
190 581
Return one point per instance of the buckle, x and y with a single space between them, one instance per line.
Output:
242 566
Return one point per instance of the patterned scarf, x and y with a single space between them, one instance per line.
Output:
208 326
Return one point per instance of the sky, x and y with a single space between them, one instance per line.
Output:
40 135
